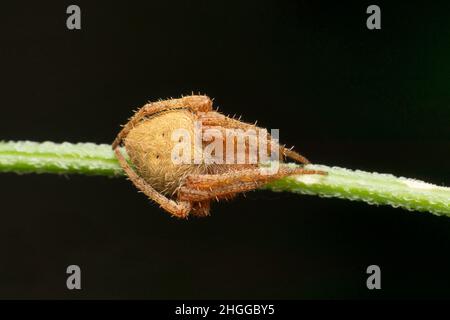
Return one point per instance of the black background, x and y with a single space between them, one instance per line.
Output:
342 94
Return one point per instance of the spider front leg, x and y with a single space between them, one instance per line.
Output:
216 186
214 118
180 209
193 103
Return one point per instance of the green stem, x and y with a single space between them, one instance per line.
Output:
62 158
372 188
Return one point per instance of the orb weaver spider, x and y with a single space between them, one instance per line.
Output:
184 189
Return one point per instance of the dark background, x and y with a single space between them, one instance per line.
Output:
342 94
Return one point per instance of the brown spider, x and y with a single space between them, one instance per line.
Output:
187 188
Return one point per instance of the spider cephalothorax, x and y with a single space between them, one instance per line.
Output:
189 186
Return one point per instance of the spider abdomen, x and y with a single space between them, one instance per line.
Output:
150 145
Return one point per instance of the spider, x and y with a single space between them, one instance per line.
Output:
188 189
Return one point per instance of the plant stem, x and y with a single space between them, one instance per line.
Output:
99 159
372 188
61 158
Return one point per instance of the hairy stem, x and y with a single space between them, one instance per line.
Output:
372 188
62 158
98 159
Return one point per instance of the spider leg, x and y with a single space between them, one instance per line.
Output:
201 208
191 194
216 186
213 118
193 103
206 181
180 209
